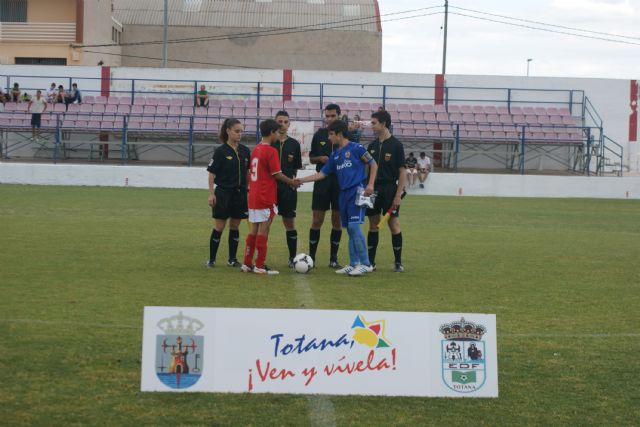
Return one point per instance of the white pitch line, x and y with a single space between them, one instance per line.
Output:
321 410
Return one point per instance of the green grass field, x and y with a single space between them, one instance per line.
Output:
78 264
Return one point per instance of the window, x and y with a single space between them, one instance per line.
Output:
13 10
41 61
115 35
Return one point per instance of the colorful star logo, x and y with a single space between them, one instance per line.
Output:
370 334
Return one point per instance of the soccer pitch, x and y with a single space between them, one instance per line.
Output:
78 264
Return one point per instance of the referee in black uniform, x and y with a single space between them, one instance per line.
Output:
325 192
228 171
290 161
390 182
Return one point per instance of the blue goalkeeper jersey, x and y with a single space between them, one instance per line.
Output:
348 163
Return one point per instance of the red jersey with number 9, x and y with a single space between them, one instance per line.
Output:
263 189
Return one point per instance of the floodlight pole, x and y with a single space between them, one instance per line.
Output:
528 62
165 33
444 47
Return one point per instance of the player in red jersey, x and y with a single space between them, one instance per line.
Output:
263 196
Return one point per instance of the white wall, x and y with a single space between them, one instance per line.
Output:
442 184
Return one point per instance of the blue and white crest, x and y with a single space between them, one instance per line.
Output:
463 356
179 352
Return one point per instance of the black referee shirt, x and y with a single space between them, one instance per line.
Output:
321 146
230 166
290 156
390 158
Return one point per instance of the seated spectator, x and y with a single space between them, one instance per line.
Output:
3 97
60 97
15 93
424 167
410 163
52 93
355 129
75 96
202 97
26 97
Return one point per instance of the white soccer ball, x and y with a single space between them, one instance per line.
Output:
302 263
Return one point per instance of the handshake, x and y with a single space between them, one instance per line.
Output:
295 183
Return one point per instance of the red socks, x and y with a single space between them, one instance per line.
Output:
261 247
249 249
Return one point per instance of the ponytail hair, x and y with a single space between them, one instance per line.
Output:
228 123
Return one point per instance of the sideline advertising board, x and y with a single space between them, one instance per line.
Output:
188 349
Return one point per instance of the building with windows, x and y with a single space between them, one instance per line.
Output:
341 35
45 32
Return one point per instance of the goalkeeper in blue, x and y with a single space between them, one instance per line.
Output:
349 162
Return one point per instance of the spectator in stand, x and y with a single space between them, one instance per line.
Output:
26 97
15 93
60 97
52 93
3 98
355 129
37 106
202 97
411 164
75 96
424 167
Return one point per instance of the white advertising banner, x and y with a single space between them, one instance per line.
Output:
187 349
303 132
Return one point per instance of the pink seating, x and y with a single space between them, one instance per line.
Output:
124 109
528 111
86 108
543 120
466 109
60 108
417 116
111 108
10 106
237 111
227 103
564 112
428 108
468 117
149 109
493 117
569 120
164 101
289 105
189 102
97 108
113 100
137 109
125 100
404 116
408 132
139 100
540 111
506 118
455 117
238 103
502 110
519 118
440 108
366 106
454 109
100 100
151 100
517 111
555 120
480 117
175 110
490 109
89 99
531 119
226 112
264 112
442 117
403 107
478 109
186 110
250 103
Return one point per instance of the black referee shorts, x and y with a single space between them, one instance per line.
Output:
384 200
326 194
287 201
230 203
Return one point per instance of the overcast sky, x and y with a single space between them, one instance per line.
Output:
482 47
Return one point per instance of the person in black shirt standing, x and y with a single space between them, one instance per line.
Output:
290 161
228 200
389 185
325 192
